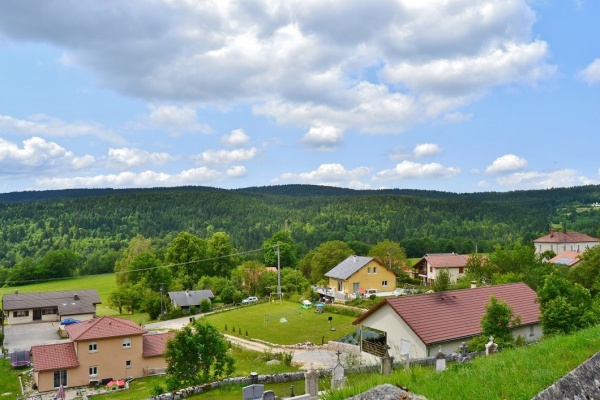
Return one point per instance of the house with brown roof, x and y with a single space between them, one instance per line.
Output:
23 308
559 241
429 266
98 350
358 274
418 325
568 258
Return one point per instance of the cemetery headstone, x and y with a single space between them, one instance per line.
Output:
440 361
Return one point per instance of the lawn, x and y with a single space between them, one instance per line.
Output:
9 379
302 325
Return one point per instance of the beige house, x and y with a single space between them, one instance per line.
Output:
24 308
418 325
429 266
360 275
98 350
558 242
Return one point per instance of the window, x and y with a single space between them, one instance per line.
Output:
93 370
430 269
60 378
461 270
531 330
49 311
21 313
551 247
374 270
128 364
127 343
368 270
384 283
93 347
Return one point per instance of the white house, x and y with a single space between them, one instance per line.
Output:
417 325
559 242
428 267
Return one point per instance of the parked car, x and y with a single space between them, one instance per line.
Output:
250 299
69 321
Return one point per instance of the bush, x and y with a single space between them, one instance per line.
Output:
157 390
205 306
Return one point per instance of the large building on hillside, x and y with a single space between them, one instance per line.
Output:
558 242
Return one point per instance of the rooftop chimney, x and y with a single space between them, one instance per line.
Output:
473 284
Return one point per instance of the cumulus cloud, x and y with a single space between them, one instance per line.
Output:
197 176
39 156
46 126
328 174
411 170
399 153
545 180
426 150
323 137
382 70
176 119
506 163
236 138
225 157
125 157
237 171
591 73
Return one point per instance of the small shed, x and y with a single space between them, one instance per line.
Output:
306 304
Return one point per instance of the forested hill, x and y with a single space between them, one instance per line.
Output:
88 220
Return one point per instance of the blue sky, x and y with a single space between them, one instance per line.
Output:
460 96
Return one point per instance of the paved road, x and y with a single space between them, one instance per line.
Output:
22 337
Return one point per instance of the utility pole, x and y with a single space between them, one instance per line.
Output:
278 274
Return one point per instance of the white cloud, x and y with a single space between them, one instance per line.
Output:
399 153
323 137
47 126
426 150
237 171
410 170
225 157
197 176
591 73
545 180
236 138
483 184
124 158
294 60
39 156
175 119
327 174
506 163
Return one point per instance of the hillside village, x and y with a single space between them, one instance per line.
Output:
433 307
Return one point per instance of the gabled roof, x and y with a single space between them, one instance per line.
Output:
53 356
349 267
154 343
69 301
456 314
103 327
565 237
190 297
445 260
568 258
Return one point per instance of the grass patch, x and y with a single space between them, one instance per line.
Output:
513 374
307 326
9 379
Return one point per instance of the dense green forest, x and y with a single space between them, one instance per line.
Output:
94 221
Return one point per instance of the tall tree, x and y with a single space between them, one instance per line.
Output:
326 256
498 321
137 245
442 280
187 254
283 242
221 253
195 355
57 264
390 254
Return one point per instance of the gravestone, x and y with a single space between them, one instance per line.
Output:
338 378
253 392
464 356
387 363
440 361
311 381
490 347
268 395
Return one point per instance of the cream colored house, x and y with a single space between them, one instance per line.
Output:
360 275
24 308
558 242
429 266
98 350
418 325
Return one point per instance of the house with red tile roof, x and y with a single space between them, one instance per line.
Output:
429 266
568 258
98 350
418 325
559 241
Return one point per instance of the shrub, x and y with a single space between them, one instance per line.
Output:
157 390
205 306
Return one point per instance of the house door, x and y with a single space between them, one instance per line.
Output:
37 315
355 287
340 286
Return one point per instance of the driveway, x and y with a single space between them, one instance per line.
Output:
22 337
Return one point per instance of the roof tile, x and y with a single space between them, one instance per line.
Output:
53 356
155 343
103 327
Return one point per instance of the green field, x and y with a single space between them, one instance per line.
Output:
301 326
